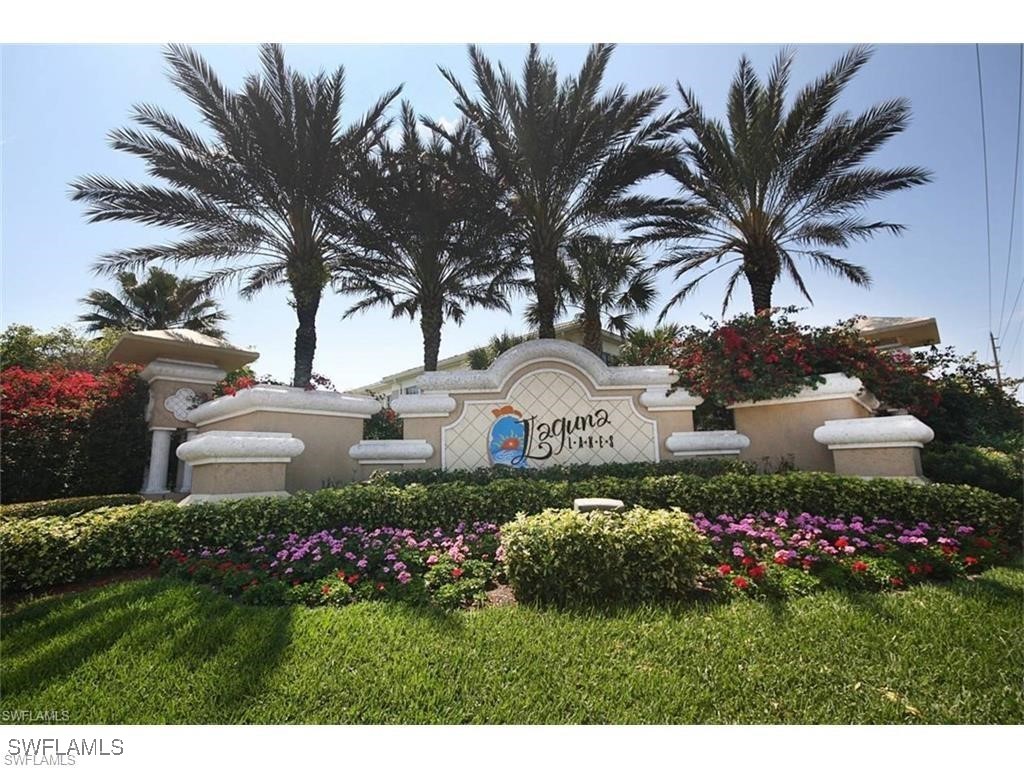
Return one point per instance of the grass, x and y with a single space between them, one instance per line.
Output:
161 651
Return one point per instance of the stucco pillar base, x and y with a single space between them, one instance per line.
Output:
902 462
889 446
235 465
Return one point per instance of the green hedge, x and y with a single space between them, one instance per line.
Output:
67 507
574 558
987 468
572 473
50 550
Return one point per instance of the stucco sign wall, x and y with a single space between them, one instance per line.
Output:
549 417
543 403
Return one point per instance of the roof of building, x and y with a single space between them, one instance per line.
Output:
143 347
456 361
900 331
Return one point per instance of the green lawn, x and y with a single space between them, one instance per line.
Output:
164 651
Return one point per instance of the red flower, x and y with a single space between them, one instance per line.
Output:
353 579
326 589
859 567
725 569
781 558
740 582
380 587
983 543
896 581
841 542
927 568
456 573
341 575
756 572
748 560
969 561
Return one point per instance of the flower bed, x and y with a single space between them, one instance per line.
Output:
783 553
335 567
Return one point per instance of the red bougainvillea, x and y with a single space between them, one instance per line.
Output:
71 433
763 357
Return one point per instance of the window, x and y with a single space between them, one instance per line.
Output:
413 390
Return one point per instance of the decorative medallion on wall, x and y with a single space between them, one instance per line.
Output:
549 417
181 402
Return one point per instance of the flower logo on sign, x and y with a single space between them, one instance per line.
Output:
507 438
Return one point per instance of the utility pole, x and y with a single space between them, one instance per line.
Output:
995 357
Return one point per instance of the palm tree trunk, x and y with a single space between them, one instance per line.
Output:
306 307
760 289
592 330
544 262
431 320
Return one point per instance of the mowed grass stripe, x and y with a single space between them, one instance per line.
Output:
164 651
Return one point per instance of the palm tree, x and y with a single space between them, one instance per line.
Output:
161 301
482 357
253 199
569 153
607 282
774 186
650 347
432 232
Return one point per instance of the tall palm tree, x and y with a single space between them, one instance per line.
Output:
162 300
606 282
432 231
773 187
253 199
569 153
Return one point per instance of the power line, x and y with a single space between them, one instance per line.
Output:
988 207
1013 197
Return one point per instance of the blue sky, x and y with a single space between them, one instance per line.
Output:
59 102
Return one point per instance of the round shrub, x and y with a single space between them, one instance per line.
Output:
562 557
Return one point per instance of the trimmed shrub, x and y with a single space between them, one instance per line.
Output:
50 550
68 507
987 468
568 472
595 558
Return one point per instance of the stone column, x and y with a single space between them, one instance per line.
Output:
186 472
159 459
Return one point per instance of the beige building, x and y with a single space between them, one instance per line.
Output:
404 382
891 333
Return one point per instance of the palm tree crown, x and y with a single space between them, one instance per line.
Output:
161 301
569 153
773 187
432 231
252 200
606 282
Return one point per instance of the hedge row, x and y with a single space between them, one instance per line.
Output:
987 468
51 550
572 473
67 507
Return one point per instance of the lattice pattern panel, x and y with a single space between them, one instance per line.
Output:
566 426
